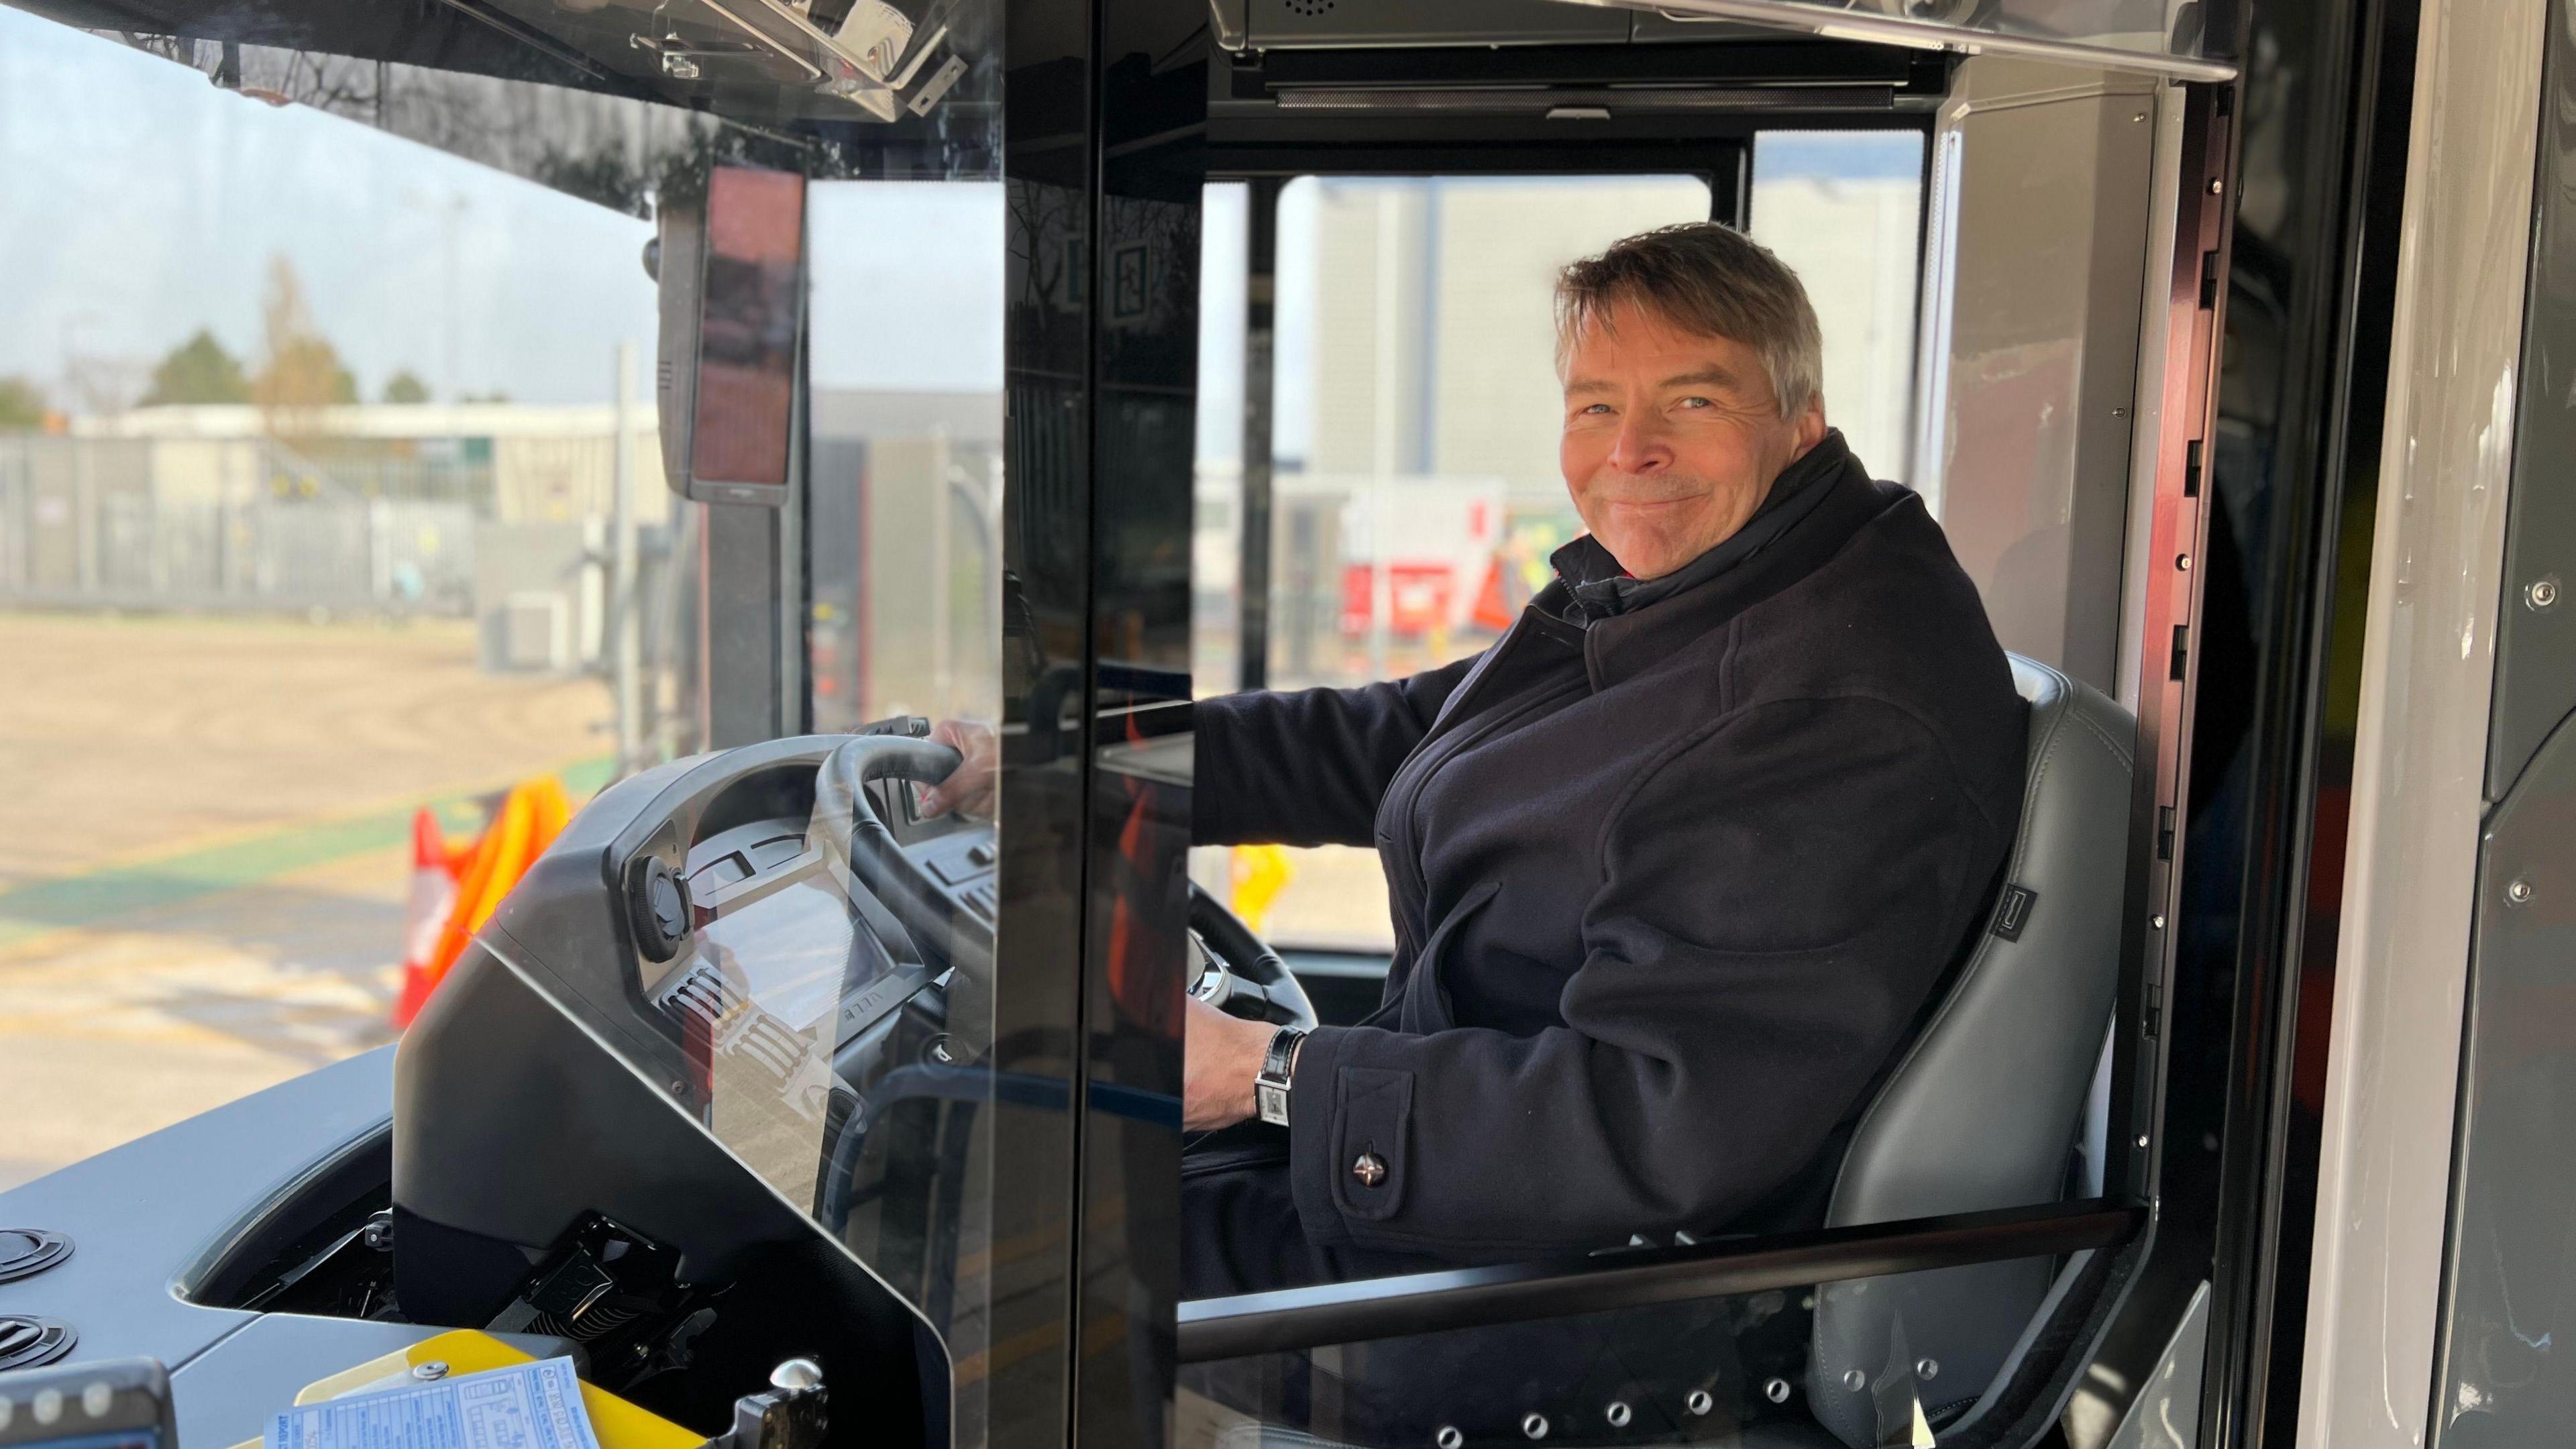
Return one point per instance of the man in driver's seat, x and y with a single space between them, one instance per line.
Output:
1675 865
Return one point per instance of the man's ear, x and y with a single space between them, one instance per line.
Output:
1811 426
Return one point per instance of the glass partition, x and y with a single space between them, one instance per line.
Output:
414 469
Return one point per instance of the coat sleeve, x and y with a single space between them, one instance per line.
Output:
1777 898
1308 767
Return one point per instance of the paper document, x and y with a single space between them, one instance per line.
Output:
525 1406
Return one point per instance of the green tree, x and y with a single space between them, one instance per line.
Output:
198 371
22 406
402 387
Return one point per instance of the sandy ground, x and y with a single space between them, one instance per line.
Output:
202 857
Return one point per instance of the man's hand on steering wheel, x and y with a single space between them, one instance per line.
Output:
969 791
1220 1055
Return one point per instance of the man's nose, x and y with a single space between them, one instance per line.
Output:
1641 446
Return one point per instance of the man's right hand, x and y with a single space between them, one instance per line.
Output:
969 789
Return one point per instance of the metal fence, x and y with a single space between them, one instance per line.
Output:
98 522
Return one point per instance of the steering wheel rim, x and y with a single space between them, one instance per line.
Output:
1247 978
899 882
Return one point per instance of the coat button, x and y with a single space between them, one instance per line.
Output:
1370 1169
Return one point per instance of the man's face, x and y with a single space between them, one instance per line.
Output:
1671 439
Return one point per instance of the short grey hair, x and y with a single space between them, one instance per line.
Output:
1705 278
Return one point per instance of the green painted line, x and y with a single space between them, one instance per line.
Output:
120 891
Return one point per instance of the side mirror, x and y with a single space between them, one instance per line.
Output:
731 274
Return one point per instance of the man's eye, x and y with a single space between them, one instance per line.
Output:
1696 402
1594 410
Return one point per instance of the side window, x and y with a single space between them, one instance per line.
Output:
1414 485
310 462
1845 210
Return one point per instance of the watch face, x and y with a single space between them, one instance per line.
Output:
1273 1102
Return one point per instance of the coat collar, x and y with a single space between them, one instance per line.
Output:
1808 524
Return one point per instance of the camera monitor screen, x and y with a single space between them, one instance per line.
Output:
751 305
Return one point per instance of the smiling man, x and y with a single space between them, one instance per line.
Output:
1675 865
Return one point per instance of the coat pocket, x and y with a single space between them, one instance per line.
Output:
1426 990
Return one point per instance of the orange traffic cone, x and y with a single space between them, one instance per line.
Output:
433 897
1493 610
529 819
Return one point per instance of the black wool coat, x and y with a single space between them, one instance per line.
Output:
1670 889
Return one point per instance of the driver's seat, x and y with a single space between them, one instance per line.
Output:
1982 1111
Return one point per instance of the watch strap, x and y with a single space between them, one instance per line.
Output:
1270 1088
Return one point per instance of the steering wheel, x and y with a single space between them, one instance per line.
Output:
846 825
1238 974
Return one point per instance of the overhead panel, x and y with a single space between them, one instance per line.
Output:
2160 37
1294 23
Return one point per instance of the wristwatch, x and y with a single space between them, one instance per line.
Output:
1270 1088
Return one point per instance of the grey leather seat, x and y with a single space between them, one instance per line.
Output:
1982 1110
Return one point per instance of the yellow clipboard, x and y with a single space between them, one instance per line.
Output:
617 1423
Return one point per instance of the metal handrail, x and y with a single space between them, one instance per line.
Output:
1297 1318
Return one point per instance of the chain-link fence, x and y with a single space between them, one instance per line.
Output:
113 523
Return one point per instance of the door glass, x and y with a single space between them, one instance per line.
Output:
1415 492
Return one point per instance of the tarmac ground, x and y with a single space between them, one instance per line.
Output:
205 849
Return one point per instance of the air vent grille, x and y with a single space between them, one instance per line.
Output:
25 1252
30 1342
733 1025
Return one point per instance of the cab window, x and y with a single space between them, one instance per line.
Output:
1415 497
1414 490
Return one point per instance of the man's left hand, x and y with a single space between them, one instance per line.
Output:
1220 1055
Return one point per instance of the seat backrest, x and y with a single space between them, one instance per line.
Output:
1982 1110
